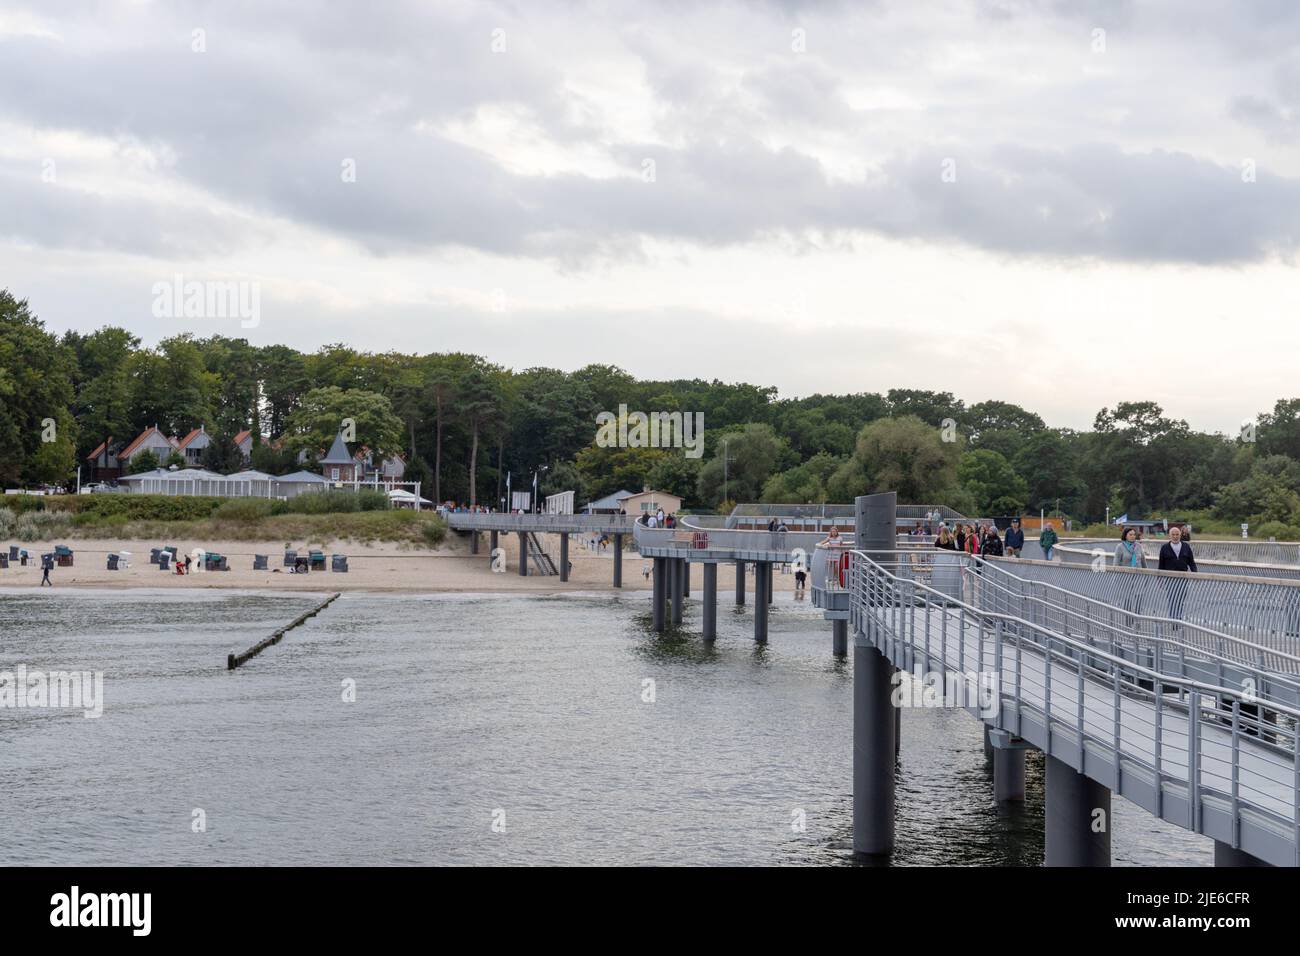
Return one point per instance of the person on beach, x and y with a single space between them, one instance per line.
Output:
1015 539
1047 541
47 565
800 577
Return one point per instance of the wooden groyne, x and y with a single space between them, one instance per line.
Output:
234 660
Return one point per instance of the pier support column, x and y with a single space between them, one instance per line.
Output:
675 588
473 542
494 541
686 578
618 560
710 602
770 581
760 604
1009 775
564 556
523 554
988 746
657 595
1077 835
1225 855
874 720
840 638
740 584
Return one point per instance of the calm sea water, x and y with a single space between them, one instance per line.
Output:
526 712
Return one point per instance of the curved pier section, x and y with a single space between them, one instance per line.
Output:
1195 725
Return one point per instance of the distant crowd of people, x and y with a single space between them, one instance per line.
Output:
657 519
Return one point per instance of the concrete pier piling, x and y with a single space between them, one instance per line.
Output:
740 584
676 581
1077 818
473 542
523 554
710 602
760 603
840 638
874 757
618 560
1008 775
564 556
875 718
658 593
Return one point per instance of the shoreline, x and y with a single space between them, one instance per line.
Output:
380 567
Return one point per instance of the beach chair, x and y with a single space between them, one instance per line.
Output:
124 559
63 555
290 558
4 561
112 562
13 552
317 560
164 559
153 555
339 563
259 562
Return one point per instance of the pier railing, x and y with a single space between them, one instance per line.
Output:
1193 752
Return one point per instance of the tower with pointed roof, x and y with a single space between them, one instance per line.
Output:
339 465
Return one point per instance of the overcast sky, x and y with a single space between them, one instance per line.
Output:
1061 204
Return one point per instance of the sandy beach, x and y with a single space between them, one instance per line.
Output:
375 567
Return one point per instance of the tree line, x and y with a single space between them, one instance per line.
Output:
463 424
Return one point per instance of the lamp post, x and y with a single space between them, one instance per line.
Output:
726 460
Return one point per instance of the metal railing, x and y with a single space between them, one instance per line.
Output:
1261 559
478 521
1163 642
1264 612
1157 731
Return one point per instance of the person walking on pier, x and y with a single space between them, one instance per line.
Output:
1129 553
1047 541
1176 555
991 547
1015 539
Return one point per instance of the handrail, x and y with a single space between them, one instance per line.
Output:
862 560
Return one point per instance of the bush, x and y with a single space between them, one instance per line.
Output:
433 532
140 507
336 502
245 509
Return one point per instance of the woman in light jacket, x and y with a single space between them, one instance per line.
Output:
1129 553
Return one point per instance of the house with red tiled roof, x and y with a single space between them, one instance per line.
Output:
244 442
192 445
111 460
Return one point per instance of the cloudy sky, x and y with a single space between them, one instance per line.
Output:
1062 204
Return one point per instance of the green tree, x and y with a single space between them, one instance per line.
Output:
905 455
991 482
145 461
744 459
36 375
314 424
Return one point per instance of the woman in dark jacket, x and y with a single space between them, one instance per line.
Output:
945 540
992 544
